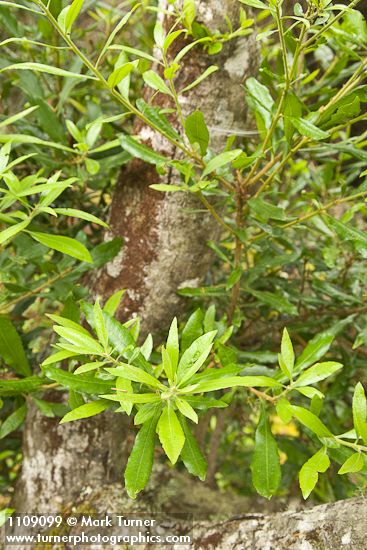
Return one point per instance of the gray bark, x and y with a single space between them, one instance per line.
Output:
165 234
165 247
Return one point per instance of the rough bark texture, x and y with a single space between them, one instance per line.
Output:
62 460
165 247
165 235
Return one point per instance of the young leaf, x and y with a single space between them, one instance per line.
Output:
185 408
309 473
194 357
72 14
124 386
232 382
191 454
315 349
153 80
113 302
206 73
170 433
172 345
135 374
119 74
318 372
287 355
353 464
265 464
132 397
167 365
13 230
359 407
140 463
85 411
66 245
221 160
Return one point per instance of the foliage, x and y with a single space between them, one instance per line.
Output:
291 192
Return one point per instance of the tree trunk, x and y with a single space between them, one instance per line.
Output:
164 248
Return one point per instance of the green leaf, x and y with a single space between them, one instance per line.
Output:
359 407
12 422
11 348
276 301
88 367
346 232
287 355
145 412
153 80
82 343
40 67
125 386
66 245
72 14
210 70
100 326
13 230
260 101
119 74
233 382
205 403
80 214
77 382
167 365
194 357
197 131
170 433
220 160
306 128
185 408
140 151
256 4
135 374
353 464
25 385
311 421
318 372
315 349
140 463
284 410
132 397
172 345
85 411
309 473
191 454
193 329
113 302
155 115
265 465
